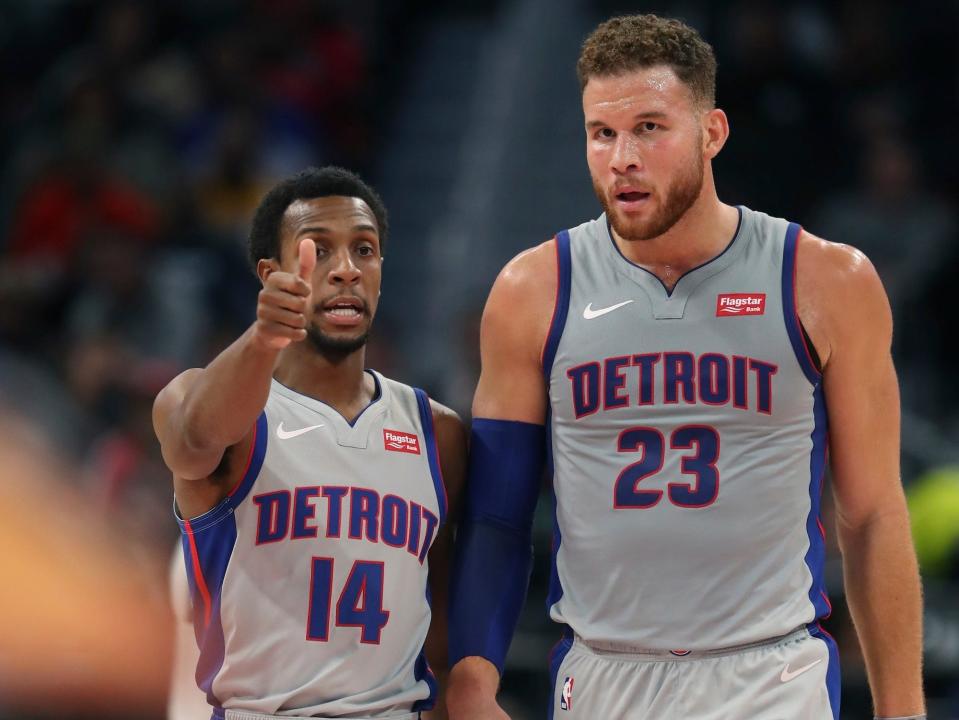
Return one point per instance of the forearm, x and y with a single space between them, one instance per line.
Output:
885 600
224 402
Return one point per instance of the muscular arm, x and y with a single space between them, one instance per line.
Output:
451 442
203 412
511 387
844 307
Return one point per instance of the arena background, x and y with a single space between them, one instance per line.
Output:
137 137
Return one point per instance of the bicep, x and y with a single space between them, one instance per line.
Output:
862 400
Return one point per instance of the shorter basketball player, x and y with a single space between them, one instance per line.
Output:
312 493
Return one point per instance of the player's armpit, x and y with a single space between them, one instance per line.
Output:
515 324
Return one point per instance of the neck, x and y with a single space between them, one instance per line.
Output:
701 234
338 382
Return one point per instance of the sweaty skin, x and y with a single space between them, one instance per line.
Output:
637 125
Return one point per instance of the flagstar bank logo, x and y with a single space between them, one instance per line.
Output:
397 441
733 304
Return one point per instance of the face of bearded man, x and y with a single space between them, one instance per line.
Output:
663 206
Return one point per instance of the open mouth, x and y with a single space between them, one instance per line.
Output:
344 311
631 196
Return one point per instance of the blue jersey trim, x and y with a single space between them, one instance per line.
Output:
790 315
208 541
432 450
210 550
257 453
564 267
833 675
422 671
816 554
556 656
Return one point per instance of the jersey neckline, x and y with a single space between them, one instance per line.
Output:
715 263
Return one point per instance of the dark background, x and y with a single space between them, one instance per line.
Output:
136 138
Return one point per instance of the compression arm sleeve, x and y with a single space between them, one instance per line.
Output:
493 556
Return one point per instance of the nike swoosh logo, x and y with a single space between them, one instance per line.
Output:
786 675
287 434
589 313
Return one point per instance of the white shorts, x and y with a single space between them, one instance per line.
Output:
794 677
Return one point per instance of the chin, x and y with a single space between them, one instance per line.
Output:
338 345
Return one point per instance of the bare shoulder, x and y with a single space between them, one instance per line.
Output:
837 291
520 305
446 418
532 264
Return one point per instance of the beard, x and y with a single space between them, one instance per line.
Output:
679 197
334 349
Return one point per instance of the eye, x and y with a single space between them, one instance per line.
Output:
648 126
366 250
605 133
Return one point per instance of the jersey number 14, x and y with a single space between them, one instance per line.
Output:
360 603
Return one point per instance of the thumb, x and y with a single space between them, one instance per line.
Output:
307 259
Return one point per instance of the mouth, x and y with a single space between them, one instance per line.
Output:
344 311
630 198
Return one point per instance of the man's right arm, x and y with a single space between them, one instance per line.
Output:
202 412
509 406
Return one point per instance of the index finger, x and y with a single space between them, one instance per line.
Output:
307 256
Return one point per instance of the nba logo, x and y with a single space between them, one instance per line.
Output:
566 699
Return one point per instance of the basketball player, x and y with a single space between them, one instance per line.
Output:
682 365
310 490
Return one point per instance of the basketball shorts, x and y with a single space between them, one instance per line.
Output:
794 677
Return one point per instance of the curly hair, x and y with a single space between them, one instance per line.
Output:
630 42
306 185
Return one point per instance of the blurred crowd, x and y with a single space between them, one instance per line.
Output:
137 137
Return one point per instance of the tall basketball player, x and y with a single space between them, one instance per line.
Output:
309 489
682 365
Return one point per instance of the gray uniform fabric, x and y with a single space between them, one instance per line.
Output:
688 437
781 680
322 609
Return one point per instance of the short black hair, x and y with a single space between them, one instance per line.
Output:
306 185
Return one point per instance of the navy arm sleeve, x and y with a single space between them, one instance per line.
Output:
493 556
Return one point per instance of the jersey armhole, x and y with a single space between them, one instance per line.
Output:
432 450
254 461
797 335
561 307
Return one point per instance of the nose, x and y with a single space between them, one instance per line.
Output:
626 157
344 270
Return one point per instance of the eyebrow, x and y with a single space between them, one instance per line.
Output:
320 230
652 115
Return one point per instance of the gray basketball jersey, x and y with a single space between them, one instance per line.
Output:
309 581
688 439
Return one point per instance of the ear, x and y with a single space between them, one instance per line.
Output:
715 132
265 266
